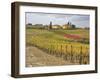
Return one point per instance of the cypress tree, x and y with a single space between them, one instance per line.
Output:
50 26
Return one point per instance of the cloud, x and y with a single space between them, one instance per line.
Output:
80 18
45 18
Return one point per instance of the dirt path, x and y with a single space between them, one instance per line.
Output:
36 57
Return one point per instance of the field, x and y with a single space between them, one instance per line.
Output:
71 46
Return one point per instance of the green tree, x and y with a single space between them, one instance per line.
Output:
50 26
73 26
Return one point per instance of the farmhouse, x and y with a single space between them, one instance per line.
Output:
56 26
65 26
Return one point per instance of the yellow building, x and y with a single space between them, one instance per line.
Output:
56 27
66 26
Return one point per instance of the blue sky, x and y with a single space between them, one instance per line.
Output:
60 19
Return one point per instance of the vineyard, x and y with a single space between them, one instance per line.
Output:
70 45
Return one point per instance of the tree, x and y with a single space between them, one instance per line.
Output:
73 26
50 26
68 23
29 24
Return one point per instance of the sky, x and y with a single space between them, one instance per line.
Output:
59 19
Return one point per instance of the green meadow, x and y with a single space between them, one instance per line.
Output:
54 40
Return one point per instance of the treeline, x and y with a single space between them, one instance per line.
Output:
69 25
